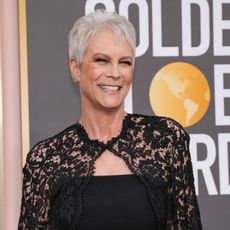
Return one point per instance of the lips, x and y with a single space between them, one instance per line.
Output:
110 88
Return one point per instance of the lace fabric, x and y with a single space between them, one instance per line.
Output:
58 170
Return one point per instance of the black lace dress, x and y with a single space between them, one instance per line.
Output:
59 170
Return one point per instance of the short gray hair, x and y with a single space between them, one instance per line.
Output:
93 23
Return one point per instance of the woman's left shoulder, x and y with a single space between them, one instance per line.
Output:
161 124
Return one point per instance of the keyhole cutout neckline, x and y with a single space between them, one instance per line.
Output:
83 133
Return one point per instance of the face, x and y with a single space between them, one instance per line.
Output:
105 73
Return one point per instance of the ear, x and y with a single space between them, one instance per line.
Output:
74 69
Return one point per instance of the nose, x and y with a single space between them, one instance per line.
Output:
114 72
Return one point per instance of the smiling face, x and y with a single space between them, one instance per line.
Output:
105 73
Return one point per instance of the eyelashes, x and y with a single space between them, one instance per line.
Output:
127 62
104 61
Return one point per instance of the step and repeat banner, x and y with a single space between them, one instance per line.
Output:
182 71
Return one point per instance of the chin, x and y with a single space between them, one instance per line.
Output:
111 106
109 102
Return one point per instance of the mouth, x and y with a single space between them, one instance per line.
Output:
110 88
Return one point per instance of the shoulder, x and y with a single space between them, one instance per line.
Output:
159 124
51 146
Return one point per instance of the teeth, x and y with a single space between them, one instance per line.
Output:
109 87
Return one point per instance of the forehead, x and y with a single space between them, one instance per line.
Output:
106 41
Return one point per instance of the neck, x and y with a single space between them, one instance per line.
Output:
101 124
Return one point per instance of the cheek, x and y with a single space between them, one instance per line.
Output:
128 77
91 72
95 74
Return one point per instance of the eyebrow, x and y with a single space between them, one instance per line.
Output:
108 56
101 54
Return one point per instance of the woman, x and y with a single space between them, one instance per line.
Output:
110 170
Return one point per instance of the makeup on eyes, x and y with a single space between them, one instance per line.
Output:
103 58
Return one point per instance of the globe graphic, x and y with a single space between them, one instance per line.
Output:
180 90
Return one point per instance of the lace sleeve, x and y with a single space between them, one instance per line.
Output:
187 215
35 202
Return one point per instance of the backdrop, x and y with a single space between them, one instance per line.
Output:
182 71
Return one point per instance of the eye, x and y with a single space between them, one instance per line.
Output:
101 60
126 62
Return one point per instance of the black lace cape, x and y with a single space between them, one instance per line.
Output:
58 169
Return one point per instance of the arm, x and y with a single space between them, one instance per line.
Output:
35 202
186 213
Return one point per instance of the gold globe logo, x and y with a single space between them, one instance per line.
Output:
180 90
